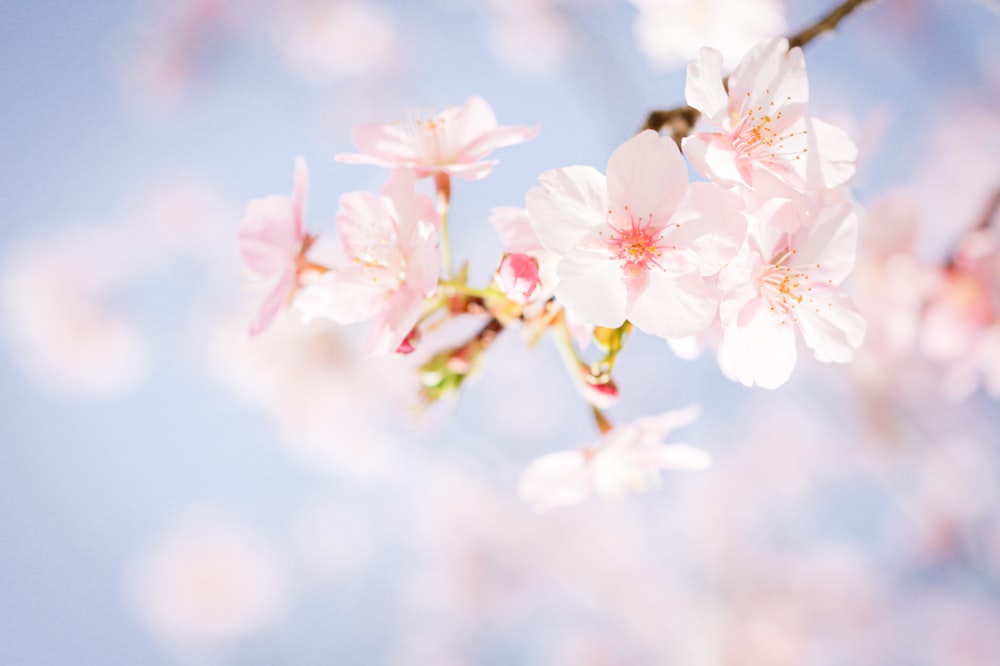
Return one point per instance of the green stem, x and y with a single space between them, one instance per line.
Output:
442 182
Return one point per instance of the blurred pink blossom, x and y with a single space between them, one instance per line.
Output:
273 243
207 582
626 458
670 32
453 142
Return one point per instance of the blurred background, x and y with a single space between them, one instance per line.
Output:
173 493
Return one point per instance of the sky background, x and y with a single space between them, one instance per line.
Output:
145 438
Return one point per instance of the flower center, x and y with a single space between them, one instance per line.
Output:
637 246
785 289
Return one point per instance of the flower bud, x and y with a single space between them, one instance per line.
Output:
517 277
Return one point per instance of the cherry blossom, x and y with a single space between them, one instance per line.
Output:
785 282
453 142
626 458
762 122
393 263
639 243
273 243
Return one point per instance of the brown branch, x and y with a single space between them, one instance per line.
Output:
825 24
681 120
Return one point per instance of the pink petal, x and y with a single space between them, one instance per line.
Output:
345 296
268 237
647 176
394 323
382 144
300 189
273 304
364 226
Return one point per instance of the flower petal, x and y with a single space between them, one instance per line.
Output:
704 90
673 306
760 352
647 176
591 287
570 204
834 328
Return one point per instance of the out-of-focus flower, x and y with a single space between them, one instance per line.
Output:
207 582
55 317
670 32
785 282
962 318
273 243
175 48
394 262
530 36
626 458
639 243
325 42
762 122
453 142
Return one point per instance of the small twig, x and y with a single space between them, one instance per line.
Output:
681 120
825 24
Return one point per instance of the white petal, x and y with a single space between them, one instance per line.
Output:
762 352
828 248
674 306
713 157
647 176
591 287
569 205
704 90
771 78
832 155
556 479
833 328
707 228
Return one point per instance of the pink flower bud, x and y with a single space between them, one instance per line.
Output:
517 277
409 343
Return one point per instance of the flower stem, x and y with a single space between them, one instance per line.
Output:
603 424
442 182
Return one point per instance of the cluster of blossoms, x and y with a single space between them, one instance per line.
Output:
743 261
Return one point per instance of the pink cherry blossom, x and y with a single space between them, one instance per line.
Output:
517 277
639 243
393 263
785 282
273 243
762 122
626 458
453 142
961 324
